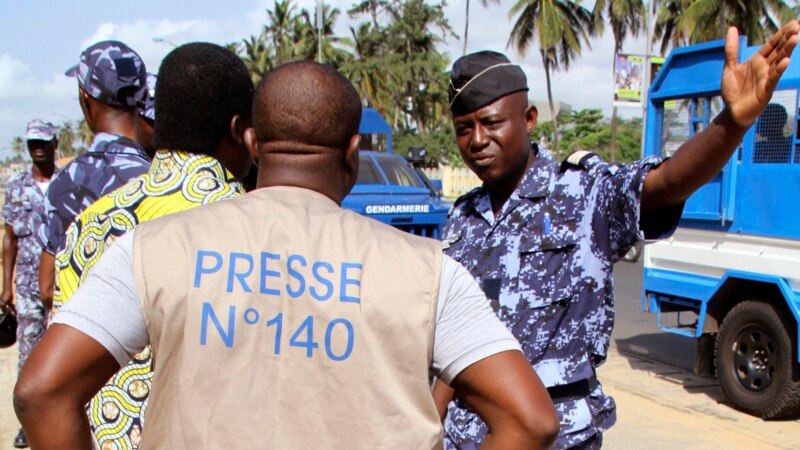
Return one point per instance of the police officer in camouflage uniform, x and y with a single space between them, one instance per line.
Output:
112 84
22 214
541 236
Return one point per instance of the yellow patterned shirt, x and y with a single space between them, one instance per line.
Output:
176 181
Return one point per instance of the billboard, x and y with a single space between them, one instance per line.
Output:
629 78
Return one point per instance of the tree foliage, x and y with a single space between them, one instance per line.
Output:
681 22
587 129
560 28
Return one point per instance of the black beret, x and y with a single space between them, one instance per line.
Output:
480 78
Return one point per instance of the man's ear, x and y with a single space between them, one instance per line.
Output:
531 115
249 136
237 129
351 162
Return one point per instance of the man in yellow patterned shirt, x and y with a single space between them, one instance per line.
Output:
203 101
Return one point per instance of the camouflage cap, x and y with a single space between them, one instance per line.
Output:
112 73
147 108
40 130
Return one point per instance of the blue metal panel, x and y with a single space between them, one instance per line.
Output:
679 284
373 123
692 70
689 287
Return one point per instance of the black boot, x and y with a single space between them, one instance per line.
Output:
21 441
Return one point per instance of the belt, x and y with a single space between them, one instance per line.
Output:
576 389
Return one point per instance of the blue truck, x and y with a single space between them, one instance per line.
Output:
730 276
392 190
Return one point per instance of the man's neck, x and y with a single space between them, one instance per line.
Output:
119 126
500 191
43 171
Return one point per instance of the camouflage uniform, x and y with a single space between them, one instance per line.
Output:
23 210
545 264
113 74
108 164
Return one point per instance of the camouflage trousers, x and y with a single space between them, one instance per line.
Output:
31 324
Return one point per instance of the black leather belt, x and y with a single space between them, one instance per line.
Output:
576 389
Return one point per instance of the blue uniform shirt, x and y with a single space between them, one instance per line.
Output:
545 264
108 164
23 209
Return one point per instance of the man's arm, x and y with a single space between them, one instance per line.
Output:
47 279
92 336
9 260
64 371
442 396
508 395
487 369
746 90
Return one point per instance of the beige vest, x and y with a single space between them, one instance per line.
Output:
280 321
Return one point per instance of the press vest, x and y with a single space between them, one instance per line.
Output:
279 320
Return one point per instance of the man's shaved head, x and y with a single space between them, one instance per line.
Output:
305 104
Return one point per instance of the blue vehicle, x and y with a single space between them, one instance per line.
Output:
391 190
730 276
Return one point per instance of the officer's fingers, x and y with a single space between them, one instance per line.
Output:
732 48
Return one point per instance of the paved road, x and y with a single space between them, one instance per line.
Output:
636 332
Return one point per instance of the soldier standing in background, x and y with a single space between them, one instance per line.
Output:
22 214
112 83
541 236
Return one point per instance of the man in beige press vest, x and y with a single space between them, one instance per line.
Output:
279 320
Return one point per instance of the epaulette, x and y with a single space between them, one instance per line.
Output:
580 159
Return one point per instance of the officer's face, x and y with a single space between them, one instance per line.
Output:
493 140
42 151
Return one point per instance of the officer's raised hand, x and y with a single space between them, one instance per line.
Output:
748 87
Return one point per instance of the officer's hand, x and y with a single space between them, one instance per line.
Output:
5 299
747 88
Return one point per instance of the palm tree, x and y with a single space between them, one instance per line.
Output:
625 17
331 54
280 32
680 22
560 28
367 68
18 146
85 133
256 57
484 3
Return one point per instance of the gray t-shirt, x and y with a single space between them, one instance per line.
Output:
107 308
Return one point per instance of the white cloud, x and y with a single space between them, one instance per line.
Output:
24 97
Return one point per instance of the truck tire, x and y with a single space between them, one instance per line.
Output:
754 356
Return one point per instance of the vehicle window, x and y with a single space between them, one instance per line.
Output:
399 173
367 173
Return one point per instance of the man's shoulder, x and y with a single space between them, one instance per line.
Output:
17 181
465 201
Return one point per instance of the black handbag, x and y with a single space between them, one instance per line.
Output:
8 327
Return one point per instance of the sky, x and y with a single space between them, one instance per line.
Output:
40 39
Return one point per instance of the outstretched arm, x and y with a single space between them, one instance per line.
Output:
64 371
746 89
508 395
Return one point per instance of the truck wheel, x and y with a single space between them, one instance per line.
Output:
755 357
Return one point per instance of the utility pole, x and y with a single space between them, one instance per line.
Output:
648 54
319 31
